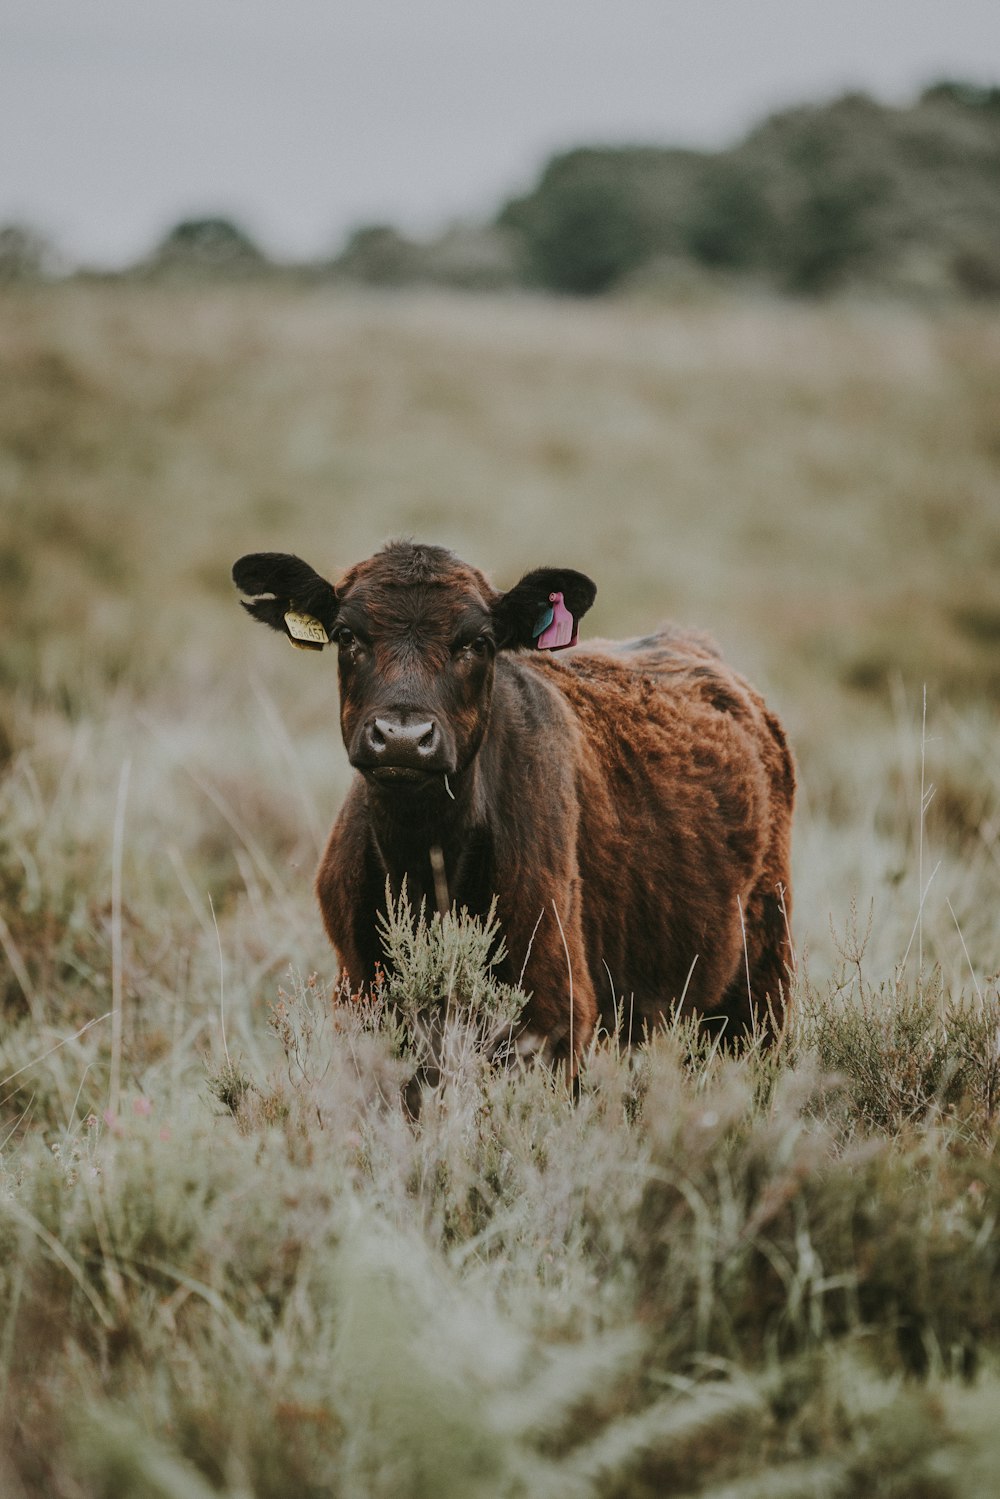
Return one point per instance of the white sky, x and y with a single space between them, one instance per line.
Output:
303 118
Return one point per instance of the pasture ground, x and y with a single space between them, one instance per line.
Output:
228 1265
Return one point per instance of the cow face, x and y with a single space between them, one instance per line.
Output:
417 633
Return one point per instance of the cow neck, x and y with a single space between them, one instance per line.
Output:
405 828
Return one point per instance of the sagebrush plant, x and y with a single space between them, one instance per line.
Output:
905 1051
264 1271
440 988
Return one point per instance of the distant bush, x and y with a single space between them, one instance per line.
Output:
597 215
829 236
473 257
25 255
380 255
976 270
208 245
963 94
583 228
729 223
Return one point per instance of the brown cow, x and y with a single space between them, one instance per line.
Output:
628 805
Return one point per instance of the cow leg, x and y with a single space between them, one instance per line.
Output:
758 1004
771 973
549 962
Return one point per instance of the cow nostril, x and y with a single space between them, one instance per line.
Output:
428 738
376 736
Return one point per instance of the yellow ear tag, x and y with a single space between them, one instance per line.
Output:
307 633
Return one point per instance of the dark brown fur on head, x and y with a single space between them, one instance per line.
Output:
416 635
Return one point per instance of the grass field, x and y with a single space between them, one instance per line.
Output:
228 1264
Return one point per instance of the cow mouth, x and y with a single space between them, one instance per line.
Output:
409 777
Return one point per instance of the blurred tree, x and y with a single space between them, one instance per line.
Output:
207 245
380 255
815 198
470 256
598 214
965 95
830 236
26 255
590 237
976 270
829 187
729 223
475 257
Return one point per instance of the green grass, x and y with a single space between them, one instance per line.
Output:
230 1263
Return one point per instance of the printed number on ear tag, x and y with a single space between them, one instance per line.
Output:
556 628
307 634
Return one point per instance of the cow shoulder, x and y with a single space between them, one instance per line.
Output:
533 748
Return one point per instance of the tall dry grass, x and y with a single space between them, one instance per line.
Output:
254 1274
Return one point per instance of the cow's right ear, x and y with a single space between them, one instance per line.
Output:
289 596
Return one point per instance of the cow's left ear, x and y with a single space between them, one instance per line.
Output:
544 609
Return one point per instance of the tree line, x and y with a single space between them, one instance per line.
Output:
850 194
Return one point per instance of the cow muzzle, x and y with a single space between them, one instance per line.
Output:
402 748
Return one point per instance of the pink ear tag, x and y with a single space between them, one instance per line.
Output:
559 628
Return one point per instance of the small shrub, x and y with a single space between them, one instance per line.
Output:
439 988
230 1084
906 1053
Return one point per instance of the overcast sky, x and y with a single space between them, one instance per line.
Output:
303 118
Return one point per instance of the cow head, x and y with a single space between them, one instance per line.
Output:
417 633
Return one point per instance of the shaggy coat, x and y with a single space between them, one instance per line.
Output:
627 804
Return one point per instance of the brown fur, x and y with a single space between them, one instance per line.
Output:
628 804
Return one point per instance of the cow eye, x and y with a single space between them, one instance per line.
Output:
345 638
479 647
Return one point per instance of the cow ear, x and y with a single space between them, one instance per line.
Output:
544 609
289 596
